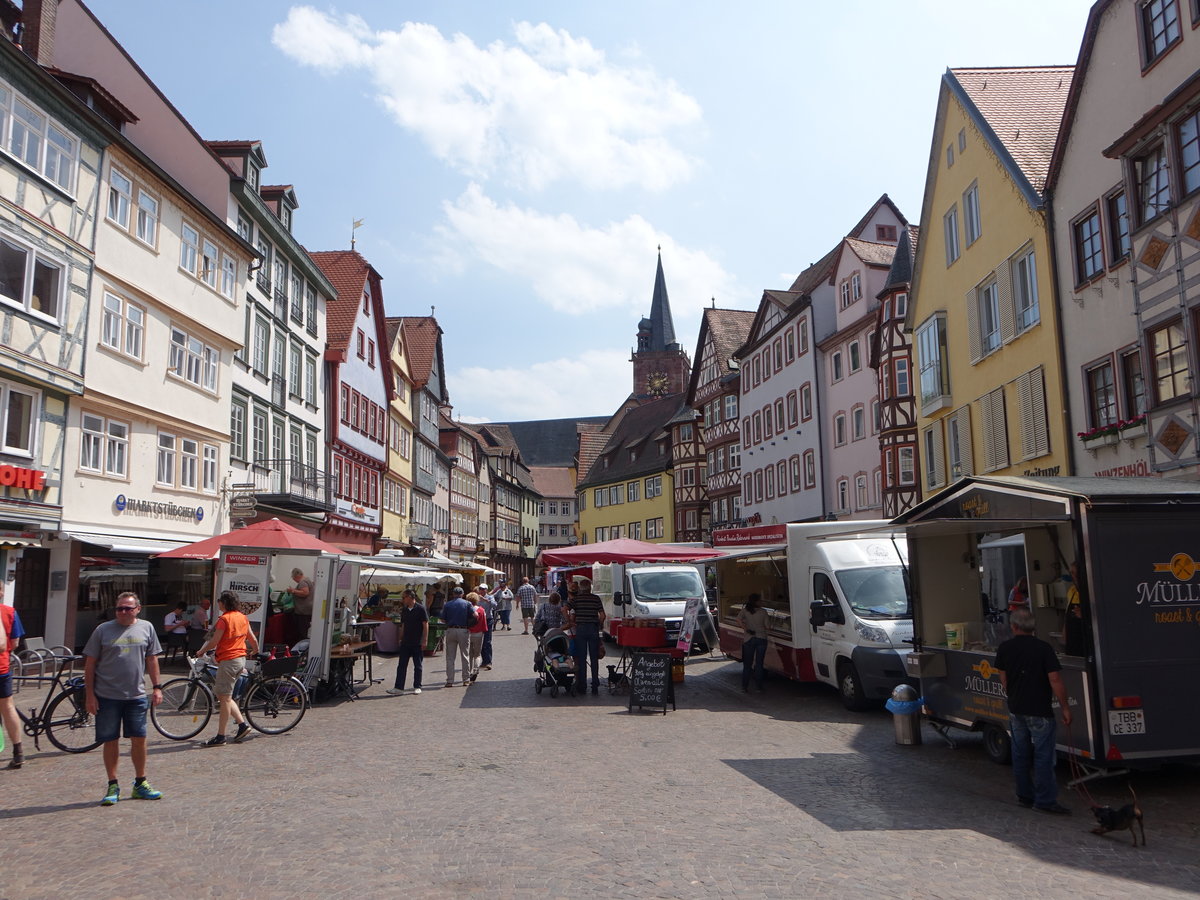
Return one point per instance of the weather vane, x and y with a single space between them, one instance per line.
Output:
353 228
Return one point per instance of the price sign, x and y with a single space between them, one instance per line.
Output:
650 681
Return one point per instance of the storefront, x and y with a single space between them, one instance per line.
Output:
30 569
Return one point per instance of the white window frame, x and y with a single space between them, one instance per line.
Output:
1026 310
189 463
164 470
189 248
193 361
972 226
33 263
120 198
34 397
950 235
147 218
36 140
123 326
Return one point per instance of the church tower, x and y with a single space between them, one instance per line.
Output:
660 365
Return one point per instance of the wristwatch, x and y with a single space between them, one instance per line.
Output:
156 687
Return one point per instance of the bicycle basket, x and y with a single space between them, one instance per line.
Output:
279 667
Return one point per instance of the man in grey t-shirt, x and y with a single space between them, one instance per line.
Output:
119 655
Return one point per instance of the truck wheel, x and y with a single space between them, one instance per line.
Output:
997 745
850 687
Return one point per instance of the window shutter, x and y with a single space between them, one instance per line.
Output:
1031 392
1008 315
976 343
966 457
995 436
939 453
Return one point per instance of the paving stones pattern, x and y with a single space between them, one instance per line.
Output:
500 791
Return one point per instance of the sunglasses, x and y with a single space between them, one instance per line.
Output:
127 609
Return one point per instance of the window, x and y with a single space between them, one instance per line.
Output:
259 436
844 291
262 343
1168 351
685 432
165 471
310 380
1118 226
229 270
189 463
735 456
1153 183
777 354
933 455
933 376
858 423
839 429
769 483
962 139
855 357
906 456
971 225
949 156
950 231
120 194
1031 400
901 306
794 473
903 388
861 497
789 346
805 402
635 530
294 362
371 353
189 248
989 318
631 491
1133 385
653 486
30 132
885 233
995 430
208 263
104 446
779 425
29 281
1102 395
123 326
758 428
843 494
615 495
237 430
654 528
836 365
1025 295
958 442
802 335
1160 28
310 311
876 420
194 361
297 290
1188 133
1089 252
793 414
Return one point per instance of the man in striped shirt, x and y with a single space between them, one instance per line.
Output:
527 596
586 615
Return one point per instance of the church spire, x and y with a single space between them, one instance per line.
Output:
662 329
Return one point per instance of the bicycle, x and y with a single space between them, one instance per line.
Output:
63 717
271 699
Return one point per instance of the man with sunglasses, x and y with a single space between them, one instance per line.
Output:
119 655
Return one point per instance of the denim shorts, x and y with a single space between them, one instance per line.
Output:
115 713
5 685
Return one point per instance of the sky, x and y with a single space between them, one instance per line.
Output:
517 166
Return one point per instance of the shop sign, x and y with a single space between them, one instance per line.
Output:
356 511
750 537
248 575
243 504
22 479
156 509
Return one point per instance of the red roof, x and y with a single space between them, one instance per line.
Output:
347 271
420 340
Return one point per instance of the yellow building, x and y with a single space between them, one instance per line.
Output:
397 482
989 384
629 491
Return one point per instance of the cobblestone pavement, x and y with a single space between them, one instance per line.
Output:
495 788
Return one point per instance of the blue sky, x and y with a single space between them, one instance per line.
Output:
516 165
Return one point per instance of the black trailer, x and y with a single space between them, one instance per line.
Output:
1130 617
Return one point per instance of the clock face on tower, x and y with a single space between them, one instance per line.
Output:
657 383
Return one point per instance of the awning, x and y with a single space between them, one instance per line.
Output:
375 569
14 543
119 543
766 551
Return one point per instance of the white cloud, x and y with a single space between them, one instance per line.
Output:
577 269
594 382
548 107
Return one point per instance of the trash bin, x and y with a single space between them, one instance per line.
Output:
905 707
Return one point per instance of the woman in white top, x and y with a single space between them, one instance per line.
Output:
176 625
753 618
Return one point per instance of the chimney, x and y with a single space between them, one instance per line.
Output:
39 17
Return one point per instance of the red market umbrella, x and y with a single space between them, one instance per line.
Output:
624 550
272 534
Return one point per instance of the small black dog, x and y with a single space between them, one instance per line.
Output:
617 681
1119 819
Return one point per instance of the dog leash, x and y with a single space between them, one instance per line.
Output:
1077 772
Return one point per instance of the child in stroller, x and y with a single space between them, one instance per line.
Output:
553 663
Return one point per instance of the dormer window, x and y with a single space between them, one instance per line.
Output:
252 176
285 216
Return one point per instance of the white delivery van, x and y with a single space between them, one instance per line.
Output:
650 590
837 601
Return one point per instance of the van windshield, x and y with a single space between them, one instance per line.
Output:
667 585
876 592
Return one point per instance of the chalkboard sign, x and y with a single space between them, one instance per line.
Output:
650 681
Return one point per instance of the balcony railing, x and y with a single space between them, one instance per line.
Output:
292 485
281 303
263 280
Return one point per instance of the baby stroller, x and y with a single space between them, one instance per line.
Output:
553 663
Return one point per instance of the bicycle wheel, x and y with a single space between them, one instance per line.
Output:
69 725
275 705
187 706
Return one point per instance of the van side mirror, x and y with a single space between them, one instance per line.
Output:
618 598
816 614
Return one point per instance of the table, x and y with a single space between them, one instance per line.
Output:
341 668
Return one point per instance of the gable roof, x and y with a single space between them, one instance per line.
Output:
634 448
348 272
728 330
421 338
591 443
1019 111
871 252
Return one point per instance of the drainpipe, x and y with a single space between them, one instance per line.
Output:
1064 394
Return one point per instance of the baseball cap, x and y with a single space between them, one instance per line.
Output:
457 592
481 587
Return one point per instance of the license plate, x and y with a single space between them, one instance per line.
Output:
1126 721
